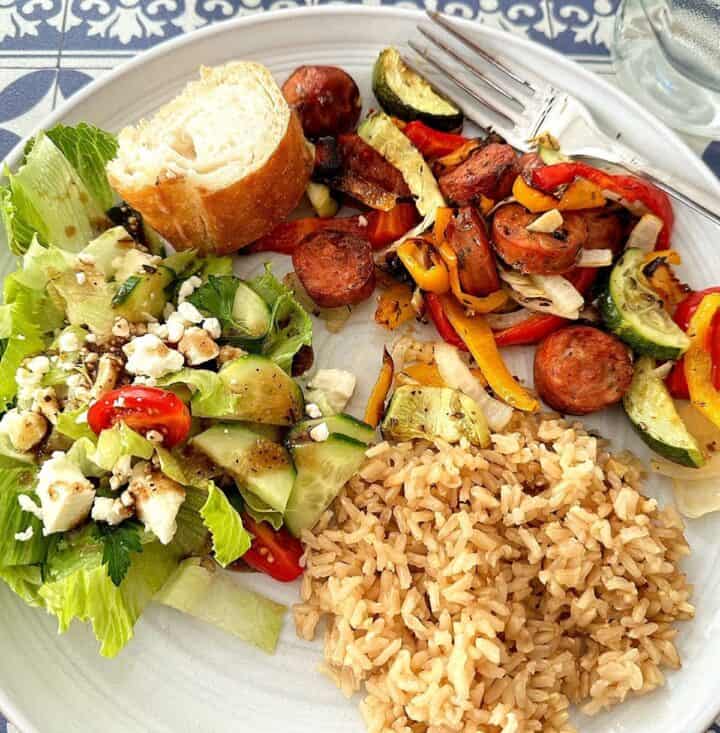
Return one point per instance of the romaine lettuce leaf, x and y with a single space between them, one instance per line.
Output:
48 197
19 232
78 586
29 314
117 441
14 482
25 580
88 149
192 536
87 303
291 325
217 266
211 398
216 597
73 424
39 264
259 510
230 540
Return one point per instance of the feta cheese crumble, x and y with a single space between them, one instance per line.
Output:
320 432
65 494
148 356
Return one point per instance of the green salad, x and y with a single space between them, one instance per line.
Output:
153 431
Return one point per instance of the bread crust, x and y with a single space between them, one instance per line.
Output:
227 219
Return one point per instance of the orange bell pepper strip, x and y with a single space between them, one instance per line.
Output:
434 277
699 362
426 374
485 204
395 306
581 194
478 336
443 215
376 404
486 304
532 199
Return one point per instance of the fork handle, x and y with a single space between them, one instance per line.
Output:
696 198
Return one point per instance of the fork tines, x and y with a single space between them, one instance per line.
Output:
493 96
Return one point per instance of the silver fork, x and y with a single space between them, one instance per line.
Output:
520 110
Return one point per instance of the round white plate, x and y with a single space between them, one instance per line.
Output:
179 675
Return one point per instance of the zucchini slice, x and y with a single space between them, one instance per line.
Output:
634 313
143 297
652 412
434 412
403 93
322 470
380 132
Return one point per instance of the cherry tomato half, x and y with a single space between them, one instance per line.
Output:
273 552
142 409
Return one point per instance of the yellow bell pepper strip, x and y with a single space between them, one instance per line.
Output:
486 304
395 306
669 255
414 254
376 404
485 204
698 360
443 215
476 333
532 199
581 194
427 375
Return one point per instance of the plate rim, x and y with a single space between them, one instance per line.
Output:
166 48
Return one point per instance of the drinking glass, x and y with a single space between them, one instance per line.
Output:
667 57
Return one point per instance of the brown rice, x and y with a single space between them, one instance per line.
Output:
487 590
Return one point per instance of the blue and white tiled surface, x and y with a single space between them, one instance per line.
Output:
49 49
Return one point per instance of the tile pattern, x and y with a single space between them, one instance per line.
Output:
49 49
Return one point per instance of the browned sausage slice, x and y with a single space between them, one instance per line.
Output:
489 172
326 99
534 252
467 235
364 161
606 229
336 268
581 369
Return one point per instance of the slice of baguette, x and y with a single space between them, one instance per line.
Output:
220 165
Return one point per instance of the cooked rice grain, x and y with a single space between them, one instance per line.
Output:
487 590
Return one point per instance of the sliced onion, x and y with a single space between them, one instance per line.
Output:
663 370
502 202
501 321
563 293
645 233
456 374
697 498
521 284
595 258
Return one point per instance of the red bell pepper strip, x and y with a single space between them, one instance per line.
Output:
676 381
530 331
550 177
442 322
536 327
286 236
385 227
430 142
714 348
686 309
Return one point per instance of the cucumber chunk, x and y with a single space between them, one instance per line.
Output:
143 297
250 313
434 412
261 465
634 313
403 93
266 393
652 412
322 471
342 423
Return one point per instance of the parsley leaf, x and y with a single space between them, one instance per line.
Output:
118 543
